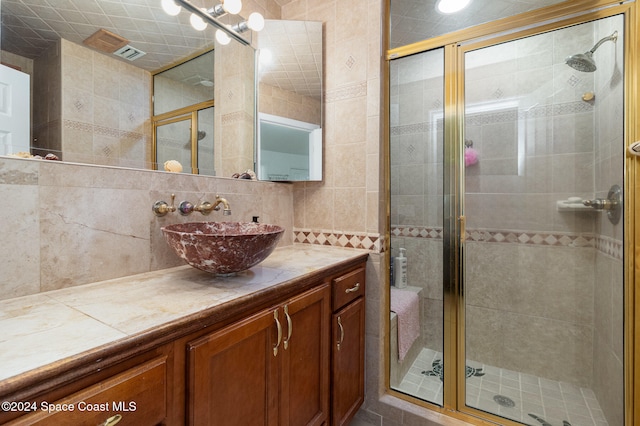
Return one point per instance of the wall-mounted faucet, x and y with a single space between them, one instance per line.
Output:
185 208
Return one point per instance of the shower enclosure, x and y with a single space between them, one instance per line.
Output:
506 169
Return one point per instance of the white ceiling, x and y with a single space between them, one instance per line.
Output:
416 20
296 63
30 26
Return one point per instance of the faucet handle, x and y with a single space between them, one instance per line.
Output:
161 208
205 207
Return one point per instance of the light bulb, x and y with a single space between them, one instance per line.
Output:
170 7
197 22
452 6
255 21
222 37
232 6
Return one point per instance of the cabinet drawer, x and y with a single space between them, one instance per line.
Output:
138 395
348 287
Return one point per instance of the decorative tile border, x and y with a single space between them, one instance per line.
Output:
101 130
608 246
364 241
347 92
236 117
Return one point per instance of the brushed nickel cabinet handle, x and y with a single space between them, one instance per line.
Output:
341 332
353 289
289 327
275 317
113 420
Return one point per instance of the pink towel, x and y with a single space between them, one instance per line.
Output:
406 304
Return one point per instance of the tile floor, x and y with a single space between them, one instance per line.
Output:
509 394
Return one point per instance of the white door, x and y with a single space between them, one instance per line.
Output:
14 111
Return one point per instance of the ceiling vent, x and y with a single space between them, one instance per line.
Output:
129 53
105 41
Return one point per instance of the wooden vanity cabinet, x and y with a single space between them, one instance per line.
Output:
277 361
347 350
271 368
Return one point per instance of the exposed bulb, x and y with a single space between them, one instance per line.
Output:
222 37
232 6
197 22
452 6
255 22
170 7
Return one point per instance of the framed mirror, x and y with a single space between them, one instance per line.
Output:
89 104
289 130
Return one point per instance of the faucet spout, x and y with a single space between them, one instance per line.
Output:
206 207
226 209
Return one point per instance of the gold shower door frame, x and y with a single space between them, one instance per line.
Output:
455 46
183 114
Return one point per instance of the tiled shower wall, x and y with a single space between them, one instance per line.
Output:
559 274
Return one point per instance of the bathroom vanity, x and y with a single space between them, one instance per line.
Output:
181 346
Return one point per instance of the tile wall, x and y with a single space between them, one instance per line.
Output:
235 108
348 206
284 103
105 109
71 224
92 107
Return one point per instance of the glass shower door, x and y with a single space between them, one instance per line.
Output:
416 162
543 272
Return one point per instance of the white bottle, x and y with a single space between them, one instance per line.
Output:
400 269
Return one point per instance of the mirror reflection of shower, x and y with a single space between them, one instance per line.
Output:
201 135
584 61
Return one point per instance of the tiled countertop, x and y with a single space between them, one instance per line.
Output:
46 328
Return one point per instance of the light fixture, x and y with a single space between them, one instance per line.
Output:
255 23
222 37
170 7
451 6
232 6
201 17
197 22
228 6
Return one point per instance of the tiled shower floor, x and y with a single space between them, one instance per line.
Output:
553 403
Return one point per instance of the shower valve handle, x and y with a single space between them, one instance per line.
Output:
599 204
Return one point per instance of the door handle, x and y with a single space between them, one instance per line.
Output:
353 289
289 327
341 332
275 317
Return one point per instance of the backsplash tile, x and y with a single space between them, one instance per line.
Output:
71 224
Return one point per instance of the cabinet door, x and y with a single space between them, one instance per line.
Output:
233 374
305 359
347 351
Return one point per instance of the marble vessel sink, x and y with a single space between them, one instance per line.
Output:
223 247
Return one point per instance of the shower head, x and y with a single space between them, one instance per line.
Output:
584 61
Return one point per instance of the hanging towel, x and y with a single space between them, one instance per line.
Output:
406 304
